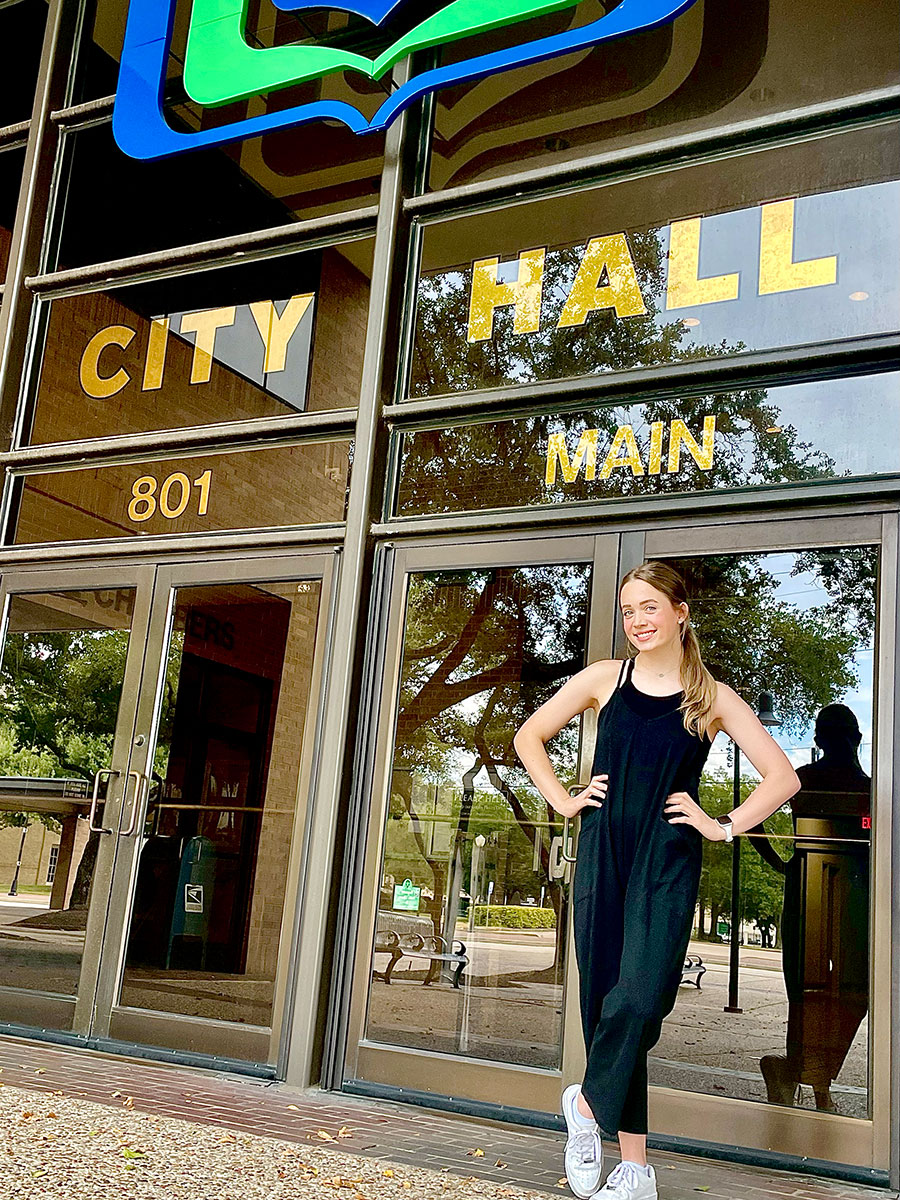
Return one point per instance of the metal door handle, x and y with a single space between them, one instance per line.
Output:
563 854
95 796
141 786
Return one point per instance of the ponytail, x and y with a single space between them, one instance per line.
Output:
699 685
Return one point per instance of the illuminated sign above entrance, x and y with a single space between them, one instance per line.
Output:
222 67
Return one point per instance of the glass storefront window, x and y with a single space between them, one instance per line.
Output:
279 486
782 247
753 437
471 863
267 339
280 177
112 206
22 33
791 1027
10 178
681 78
62 674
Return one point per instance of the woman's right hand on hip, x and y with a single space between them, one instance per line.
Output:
591 797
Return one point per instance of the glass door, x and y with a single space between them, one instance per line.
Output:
770 1044
464 945
70 667
464 954
198 950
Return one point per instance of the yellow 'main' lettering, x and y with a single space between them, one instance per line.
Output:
679 435
585 454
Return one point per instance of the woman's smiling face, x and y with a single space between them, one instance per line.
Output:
650 618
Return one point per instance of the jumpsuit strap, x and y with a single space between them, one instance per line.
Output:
625 667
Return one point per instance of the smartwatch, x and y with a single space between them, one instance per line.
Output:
725 822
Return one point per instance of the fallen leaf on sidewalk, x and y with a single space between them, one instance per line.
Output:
227 1137
705 1188
39 1071
324 1135
345 1131
128 1102
499 1163
477 1153
294 1107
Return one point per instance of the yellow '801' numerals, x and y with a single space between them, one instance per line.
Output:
174 495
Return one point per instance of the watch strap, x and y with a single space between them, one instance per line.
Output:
726 824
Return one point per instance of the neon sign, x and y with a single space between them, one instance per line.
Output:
222 67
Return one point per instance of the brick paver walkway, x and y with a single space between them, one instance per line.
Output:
405 1133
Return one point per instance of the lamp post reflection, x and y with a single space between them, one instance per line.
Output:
14 886
475 884
767 717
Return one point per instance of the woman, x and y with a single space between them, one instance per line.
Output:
639 854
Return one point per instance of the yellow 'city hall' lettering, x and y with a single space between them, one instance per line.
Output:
275 330
624 452
606 277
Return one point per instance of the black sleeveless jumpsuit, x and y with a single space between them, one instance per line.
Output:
634 894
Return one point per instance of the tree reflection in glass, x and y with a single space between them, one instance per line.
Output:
482 650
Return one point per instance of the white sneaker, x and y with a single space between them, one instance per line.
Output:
584 1150
626 1183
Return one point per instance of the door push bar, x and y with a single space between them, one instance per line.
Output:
95 796
141 791
564 852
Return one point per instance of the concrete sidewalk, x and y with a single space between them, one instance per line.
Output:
484 1153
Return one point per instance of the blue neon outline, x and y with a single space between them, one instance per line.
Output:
141 130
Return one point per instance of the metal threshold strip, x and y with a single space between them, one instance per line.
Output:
105 1045
480 1109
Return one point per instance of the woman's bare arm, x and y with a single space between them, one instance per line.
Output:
779 781
590 688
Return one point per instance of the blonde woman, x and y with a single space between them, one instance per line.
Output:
639 854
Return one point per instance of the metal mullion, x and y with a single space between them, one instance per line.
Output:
864 493
33 203
14 135
795 364
53 465
315 957
220 252
675 151
886 893
75 114
279 539
261 432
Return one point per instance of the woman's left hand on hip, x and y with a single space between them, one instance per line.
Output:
682 809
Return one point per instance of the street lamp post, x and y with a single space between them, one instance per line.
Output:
767 717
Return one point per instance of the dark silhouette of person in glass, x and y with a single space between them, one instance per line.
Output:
825 918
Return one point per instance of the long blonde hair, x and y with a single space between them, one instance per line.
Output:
699 686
